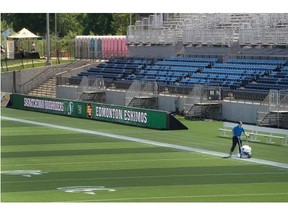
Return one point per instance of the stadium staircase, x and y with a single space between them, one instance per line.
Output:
204 111
47 89
44 84
274 110
195 111
142 94
273 119
91 89
93 97
203 102
5 98
148 102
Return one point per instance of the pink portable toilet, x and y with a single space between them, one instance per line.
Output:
114 46
124 47
110 46
118 47
104 47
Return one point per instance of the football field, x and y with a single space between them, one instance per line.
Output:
50 158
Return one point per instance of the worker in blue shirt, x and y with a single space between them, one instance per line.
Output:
236 139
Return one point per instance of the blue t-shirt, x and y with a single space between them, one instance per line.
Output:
237 131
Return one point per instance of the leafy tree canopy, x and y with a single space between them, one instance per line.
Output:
69 23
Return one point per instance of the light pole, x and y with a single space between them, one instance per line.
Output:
48 39
56 42
130 19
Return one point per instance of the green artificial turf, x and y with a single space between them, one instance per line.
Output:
126 171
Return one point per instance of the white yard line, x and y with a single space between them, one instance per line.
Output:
191 196
148 177
108 161
150 142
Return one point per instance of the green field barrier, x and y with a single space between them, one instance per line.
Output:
98 111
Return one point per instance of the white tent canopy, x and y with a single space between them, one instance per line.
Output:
24 33
19 46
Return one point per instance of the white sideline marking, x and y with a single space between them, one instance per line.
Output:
192 196
150 142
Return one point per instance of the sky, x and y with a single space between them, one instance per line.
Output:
145 6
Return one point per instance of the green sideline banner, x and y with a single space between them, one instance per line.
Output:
98 111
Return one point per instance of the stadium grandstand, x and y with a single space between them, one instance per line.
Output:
212 61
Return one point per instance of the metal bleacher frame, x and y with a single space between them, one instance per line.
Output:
203 102
91 88
211 29
274 109
142 94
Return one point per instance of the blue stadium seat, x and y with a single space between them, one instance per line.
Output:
187 71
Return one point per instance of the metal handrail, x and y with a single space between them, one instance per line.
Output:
37 80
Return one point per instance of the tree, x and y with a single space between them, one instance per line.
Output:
68 23
98 23
35 22
121 22
4 27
